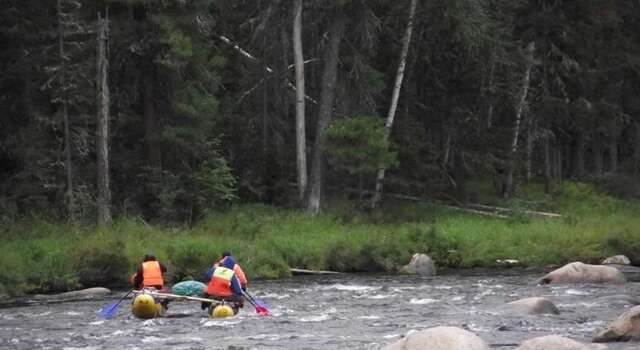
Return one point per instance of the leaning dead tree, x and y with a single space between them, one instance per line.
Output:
522 101
395 96
103 200
301 151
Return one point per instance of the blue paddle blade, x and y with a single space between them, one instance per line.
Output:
109 311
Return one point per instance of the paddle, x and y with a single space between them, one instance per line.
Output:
261 307
111 310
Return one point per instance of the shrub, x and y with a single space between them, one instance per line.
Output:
100 262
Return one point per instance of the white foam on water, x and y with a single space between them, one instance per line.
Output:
423 301
442 287
349 287
73 313
84 348
273 296
576 292
220 323
152 339
96 323
391 336
370 317
320 318
457 298
381 296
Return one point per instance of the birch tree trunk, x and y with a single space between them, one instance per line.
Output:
395 96
301 159
508 185
103 199
327 95
71 207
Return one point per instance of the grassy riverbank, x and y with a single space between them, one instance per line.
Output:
38 256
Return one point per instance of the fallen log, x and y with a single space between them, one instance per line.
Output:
311 272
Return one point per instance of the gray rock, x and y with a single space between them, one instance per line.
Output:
623 328
556 342
531 306
89 293
577 272
617 259
440 338
420 264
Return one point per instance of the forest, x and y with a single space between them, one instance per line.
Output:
171 110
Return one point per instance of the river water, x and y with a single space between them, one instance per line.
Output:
360 311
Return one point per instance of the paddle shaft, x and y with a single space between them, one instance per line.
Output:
180 297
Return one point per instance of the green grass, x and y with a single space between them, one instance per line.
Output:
38 256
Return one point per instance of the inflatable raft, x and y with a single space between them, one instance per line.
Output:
146 305
149 303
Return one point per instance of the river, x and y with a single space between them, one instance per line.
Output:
360 311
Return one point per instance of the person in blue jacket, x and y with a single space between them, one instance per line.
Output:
223 283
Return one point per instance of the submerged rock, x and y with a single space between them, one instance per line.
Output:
577 272
420 264
556 342
440 338
531 306
89 293
617 260
623 328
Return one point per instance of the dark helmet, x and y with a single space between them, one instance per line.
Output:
225 254
149 257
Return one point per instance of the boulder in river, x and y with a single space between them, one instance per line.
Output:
440 338
420 264
617 260
577 272
531 306
623 328
89 293
556 342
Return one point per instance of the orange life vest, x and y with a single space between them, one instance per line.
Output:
239 273
220 284
152 274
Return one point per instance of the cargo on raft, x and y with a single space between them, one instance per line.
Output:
150 303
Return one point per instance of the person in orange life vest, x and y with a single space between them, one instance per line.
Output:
224 284
150 274
236 268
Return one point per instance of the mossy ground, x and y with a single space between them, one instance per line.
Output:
39 256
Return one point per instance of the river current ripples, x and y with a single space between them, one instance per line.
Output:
350 311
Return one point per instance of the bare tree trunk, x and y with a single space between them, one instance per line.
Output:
395 96
598 156
613 154
558 160
529 161
491 88
636 154
522 101
301 148
71 207
547 163
152 151
103 199
327 95
579 156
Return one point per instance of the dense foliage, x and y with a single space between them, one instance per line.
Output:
203 102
